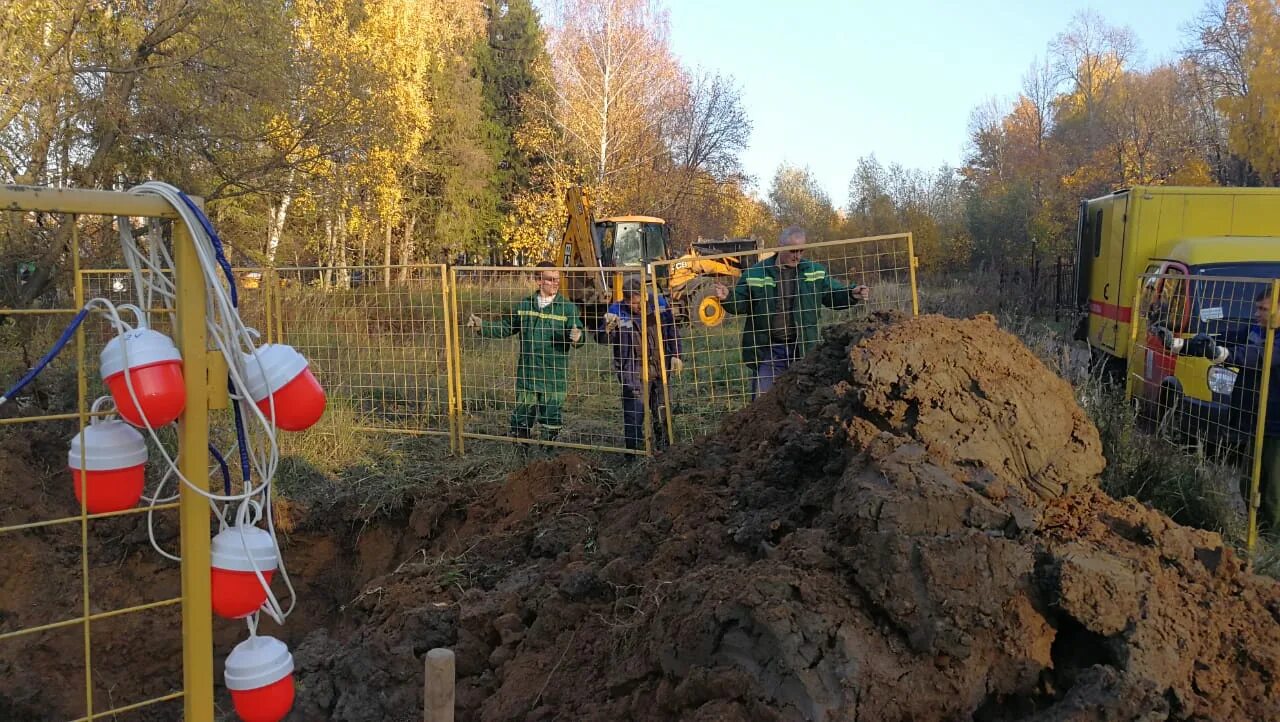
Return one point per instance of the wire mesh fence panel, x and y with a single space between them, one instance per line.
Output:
548 357
1200 375
375 339
746 317
24 338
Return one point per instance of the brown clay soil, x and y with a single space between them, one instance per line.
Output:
908 527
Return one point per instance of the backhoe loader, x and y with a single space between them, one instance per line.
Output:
622 242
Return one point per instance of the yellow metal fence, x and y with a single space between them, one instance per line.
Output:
732 346
546 375
433 350
1200 374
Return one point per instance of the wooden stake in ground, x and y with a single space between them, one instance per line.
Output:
439 687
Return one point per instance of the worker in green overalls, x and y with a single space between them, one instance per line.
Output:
548 325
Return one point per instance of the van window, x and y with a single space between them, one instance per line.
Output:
1085 241
606 244
1148 300
1219 304
1097 235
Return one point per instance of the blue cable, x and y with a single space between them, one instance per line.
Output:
240 439
217 246
57 347
222 464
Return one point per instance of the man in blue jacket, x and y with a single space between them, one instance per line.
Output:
1247 351
622 330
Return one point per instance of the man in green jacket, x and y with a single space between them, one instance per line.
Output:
548 325
781 296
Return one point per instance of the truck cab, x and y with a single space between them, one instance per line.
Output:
1206 285
1121 235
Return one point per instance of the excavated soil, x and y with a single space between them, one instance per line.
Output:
908 527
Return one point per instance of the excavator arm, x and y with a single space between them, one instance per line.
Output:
577 246
578 249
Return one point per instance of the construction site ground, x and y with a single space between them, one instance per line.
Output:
909 527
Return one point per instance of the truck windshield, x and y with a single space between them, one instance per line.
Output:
1214 300
638 243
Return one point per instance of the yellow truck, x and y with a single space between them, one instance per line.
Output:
1174 241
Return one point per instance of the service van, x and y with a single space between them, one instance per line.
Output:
1166 249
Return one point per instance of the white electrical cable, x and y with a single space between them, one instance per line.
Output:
154 276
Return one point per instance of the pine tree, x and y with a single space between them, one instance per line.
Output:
509 66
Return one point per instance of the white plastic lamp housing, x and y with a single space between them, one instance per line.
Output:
147 347
227 550
257 662
270 368
106 446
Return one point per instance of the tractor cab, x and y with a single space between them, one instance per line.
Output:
631 240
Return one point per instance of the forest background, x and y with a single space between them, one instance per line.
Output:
393 132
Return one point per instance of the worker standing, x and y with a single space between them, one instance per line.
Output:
781 297
623 331
548 325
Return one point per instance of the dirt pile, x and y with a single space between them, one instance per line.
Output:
907 528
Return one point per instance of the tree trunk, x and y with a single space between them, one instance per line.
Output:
407 246
386 256
329 256
275 224
363 258
342 262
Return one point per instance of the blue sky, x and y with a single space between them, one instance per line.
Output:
826 82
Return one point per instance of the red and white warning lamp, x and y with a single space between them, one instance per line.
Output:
108 464
278 373
259 675
148 361
234 555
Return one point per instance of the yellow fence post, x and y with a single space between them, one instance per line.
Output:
662 366
269 292
193 435
447 290
278 312
1255 480
82 406
645 300
455 358
912 262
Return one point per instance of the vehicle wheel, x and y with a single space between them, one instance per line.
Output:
706 307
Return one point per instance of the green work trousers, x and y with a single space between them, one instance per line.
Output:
540 407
